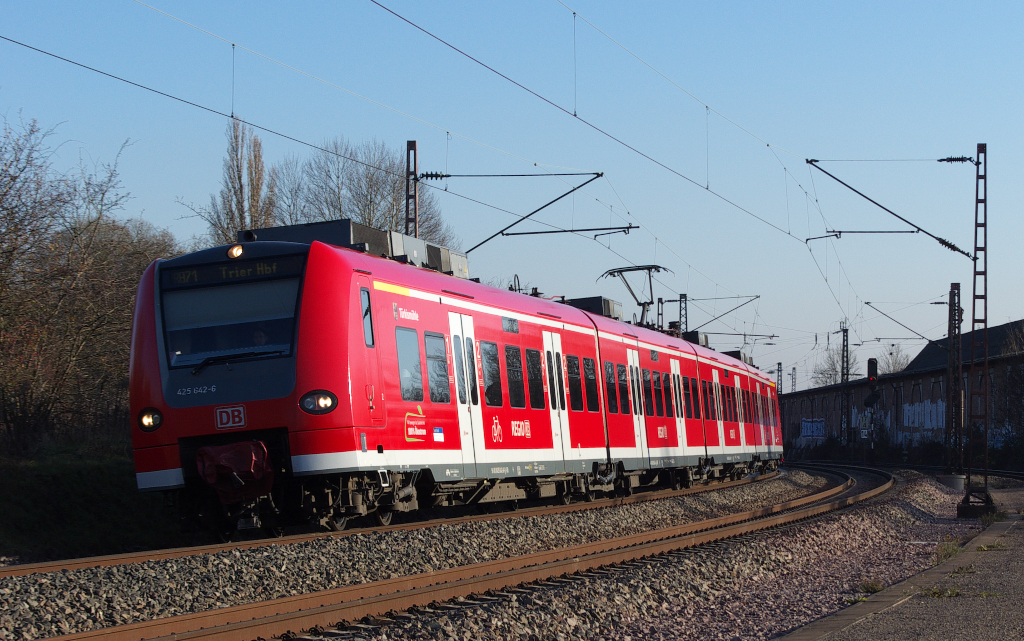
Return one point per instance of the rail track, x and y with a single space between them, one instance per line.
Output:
544 510
333 608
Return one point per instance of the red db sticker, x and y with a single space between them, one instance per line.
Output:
229 418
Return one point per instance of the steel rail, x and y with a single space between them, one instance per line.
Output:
351 603
175 553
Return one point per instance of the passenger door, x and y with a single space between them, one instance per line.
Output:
467 391
555 382
373 391
639 428
677 397
717 426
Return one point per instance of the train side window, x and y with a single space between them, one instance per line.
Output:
572 371
491 370
732 404
688 401
727 403
668 396
648 394
590 384
514 370
437 368
409 371
535 379
623 388
364 297
460 371
609 382
471 372
659 404
558 378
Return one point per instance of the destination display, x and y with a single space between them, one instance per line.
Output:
232 272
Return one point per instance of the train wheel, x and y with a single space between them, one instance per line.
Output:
677 482
226 532
566 497
382 516
589 496
337 522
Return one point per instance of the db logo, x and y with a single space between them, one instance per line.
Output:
496 431
228 418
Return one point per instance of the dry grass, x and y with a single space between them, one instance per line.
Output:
945 551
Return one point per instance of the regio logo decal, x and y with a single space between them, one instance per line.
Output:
230 418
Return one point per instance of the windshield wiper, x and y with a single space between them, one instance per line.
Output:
226 358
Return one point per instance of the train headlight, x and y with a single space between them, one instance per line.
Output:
150 419
235 251
318 402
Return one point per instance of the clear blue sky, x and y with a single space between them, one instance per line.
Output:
797 80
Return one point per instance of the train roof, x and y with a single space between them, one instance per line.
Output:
441 284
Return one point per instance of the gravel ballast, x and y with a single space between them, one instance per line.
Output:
749 590
42 605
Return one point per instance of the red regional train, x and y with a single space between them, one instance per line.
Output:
278 382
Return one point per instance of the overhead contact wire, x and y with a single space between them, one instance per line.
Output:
584 121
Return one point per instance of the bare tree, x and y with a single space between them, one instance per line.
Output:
327 175
829 370
68 296
365 183
292 200
248 193
895 360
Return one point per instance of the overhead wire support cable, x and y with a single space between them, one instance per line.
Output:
901 324
942 241
544 206
728 312
436 175
833 233
624 230
288 137
257 126
585 122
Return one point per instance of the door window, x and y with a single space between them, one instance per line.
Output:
364 296
471 372
460 371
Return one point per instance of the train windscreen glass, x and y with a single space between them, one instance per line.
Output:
217 311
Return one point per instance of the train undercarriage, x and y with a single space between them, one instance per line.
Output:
333 502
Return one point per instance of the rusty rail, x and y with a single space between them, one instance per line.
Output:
351 603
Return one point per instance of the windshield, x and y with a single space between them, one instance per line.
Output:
252 318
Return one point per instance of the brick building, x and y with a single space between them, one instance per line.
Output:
910 411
